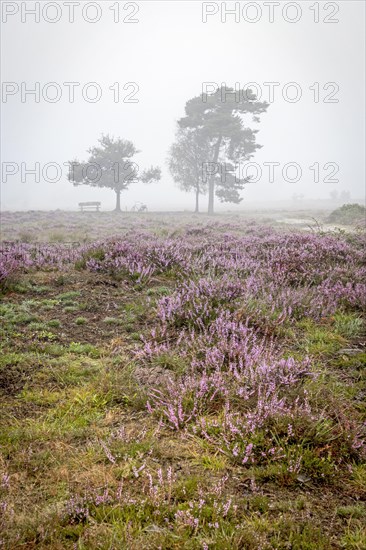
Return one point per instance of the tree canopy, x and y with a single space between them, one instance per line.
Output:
110 165
219 119
186 157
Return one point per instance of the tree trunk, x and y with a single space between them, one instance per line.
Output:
211 185
197 201
118 201
211 194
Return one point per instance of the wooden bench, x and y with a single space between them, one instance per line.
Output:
89 206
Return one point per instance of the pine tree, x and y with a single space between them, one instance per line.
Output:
186 157
219 117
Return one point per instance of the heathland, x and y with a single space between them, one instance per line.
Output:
177 381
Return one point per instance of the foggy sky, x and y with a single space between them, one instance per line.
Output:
169 53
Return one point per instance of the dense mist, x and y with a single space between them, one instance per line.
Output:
146 60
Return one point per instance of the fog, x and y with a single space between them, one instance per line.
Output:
170 53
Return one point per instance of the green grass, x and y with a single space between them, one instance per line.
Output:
318 340
70 309
84 349
112 321
171 362
54 323
356 511
348 325
354 538
74 425
68 296
81 321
